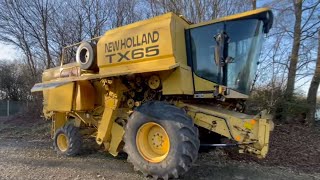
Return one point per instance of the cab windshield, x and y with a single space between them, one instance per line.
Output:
244 45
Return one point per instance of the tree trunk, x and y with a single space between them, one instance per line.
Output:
44 19
295 50
47 50
254 4
283 108
313 89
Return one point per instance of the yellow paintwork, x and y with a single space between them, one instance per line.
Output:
60 98
62 142
179 45
233 125
54 73
165 35
236 95
232 17
69 91
111 103
58 120
206 89
201 84
153 142
85 96
109 115
117 133
128 69
182 80
82 117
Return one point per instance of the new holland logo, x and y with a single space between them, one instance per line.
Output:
137 42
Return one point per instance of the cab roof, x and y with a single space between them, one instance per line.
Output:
264 14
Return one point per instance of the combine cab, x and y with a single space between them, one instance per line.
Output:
148 88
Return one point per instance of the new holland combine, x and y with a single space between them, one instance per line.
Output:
156 88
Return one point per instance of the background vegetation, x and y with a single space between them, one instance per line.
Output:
289 62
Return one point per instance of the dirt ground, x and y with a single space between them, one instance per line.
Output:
26 152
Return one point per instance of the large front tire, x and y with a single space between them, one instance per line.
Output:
161 140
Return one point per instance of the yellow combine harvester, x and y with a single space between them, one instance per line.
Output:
151 87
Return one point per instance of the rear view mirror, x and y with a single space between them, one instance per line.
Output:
220 39
221 50
217 56
229 60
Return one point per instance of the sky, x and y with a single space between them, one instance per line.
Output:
8 52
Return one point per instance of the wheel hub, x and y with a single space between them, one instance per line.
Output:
157 140
153 142
84 55
62 142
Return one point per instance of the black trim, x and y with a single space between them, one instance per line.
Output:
189 56
188 46
204 92
225 120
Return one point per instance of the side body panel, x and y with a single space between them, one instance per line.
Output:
85 96
151 45
60 98
178 81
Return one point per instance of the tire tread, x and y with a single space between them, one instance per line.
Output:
74 137
188 135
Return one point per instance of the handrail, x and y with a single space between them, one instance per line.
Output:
72 45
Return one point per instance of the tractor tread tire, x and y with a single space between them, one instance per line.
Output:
74 139
186 146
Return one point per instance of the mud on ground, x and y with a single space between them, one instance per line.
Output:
26 152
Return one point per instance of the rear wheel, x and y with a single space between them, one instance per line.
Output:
161 140
67 140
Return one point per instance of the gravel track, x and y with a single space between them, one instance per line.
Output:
26 152
35 159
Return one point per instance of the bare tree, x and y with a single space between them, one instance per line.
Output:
295 49
199 10
13 81
96 14
36 15
124 12
297 66
13 31
33 18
